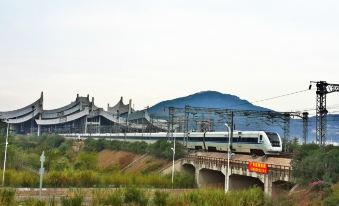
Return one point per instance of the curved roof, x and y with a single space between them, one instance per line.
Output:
119 108
142 114
84 100
23 114
55 111
51 115
55 116
63 119
81 107
111 117
22 119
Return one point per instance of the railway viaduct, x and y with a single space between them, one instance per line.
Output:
210 170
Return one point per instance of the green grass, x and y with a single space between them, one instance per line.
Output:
32 202
91 178
7 197
67 167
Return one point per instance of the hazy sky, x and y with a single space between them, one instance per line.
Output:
155 50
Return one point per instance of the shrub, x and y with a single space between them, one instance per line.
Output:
162 148
183 180
312 163
333 197
86 161
60 164
95 145
54 141
136 196
251 197
75 199
86 178
279 201
7 197
32 202
103 197
65 146
160 198
114 198
52 201
332 200
16 178
59 179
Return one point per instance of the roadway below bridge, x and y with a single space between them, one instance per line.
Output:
210 170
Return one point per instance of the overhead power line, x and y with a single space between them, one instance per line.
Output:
271 98
333 106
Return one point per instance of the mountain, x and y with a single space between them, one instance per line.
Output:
208 99
213 99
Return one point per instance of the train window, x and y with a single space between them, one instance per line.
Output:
260 137
274 139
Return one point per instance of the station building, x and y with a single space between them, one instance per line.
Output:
80 116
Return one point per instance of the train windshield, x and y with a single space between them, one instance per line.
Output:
274 139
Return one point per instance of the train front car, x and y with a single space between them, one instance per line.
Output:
272 143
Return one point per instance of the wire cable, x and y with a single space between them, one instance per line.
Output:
271 98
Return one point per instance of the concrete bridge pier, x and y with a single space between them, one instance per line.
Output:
268 184
224 171
212 172
196 173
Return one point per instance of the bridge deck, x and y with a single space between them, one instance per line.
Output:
242 157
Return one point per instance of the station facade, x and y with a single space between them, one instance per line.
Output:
80 116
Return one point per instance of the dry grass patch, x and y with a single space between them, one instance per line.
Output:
148 164
108 158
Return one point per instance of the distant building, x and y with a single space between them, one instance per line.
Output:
120 108
80 116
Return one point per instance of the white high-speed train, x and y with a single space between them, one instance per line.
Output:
253 142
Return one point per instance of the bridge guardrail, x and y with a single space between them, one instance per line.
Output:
239 163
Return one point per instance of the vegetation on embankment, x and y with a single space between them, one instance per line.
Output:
91 178
142 197
160 149
316 169
314 194
313 163
72 163
152 197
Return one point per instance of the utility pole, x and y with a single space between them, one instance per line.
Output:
323 88
32 120
186 124
5 158
305 126
171 111
286 131
173 150
232 128
228 159
171 116
170 122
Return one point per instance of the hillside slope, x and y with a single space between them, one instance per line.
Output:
209 99
129 162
